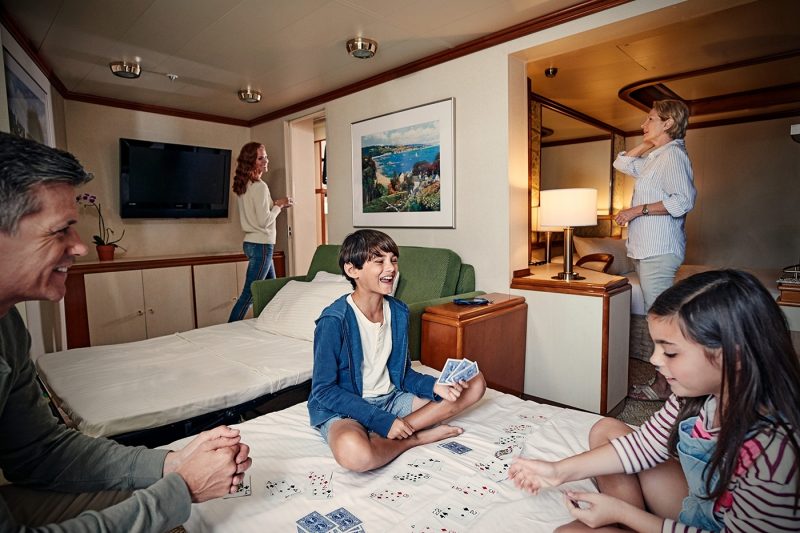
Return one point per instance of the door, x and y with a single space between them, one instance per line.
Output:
115 307
215 291
168 300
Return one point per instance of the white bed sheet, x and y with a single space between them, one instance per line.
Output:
283 445
110 390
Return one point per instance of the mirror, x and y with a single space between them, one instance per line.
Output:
569 150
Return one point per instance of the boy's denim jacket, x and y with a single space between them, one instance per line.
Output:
337 380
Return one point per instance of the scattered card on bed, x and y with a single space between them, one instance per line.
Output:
533 418
507 452
345 520
521 429
495 469
427 463
390 497
424 525
455 447
319 485
474 488
456 511
281 489
513 438
315 523
416 477
243 489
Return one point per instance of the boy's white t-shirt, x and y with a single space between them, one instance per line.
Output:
376 343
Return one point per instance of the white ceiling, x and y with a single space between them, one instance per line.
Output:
294 50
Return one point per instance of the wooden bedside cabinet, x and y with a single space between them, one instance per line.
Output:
492 335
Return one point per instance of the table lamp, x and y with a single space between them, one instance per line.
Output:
547 230
568 208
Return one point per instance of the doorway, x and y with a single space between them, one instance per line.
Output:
306 166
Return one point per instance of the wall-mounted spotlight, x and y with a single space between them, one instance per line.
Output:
551 72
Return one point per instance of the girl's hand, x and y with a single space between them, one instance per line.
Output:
400 429
531 475
450 392
596 510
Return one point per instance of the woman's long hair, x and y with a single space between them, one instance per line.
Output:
246 168
731 311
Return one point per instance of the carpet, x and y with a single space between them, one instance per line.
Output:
636 412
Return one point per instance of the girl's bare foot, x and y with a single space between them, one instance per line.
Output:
437 433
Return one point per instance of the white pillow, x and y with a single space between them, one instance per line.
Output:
297 305
329 276
323 276
607 245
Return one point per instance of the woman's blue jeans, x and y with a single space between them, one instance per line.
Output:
259 267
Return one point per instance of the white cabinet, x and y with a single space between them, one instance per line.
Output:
132 305
217 287
577 338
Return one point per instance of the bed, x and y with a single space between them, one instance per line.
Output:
158 390
286 450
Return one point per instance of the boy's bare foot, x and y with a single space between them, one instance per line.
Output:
437 433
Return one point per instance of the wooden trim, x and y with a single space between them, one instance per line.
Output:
141 263
582 9
605 355
76 316
577 115
582 287
788 113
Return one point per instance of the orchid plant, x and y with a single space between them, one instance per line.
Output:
106 234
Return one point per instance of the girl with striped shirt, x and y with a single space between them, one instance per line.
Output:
722 454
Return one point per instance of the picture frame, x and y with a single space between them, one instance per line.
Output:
403 168
30 113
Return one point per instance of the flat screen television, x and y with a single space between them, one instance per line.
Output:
163 180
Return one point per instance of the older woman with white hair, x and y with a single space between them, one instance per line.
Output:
663 194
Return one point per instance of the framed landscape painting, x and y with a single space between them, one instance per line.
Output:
403 168
27 102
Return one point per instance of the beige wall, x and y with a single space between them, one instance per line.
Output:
92 134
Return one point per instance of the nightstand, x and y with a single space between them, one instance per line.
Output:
492 335
578 335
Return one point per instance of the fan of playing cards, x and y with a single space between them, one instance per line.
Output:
456 370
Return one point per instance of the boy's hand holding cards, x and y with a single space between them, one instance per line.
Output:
456 370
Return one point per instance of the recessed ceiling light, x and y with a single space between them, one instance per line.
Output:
123 69
250 96
362 48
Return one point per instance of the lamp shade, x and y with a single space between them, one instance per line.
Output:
568 207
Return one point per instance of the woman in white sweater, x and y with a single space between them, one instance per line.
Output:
257 213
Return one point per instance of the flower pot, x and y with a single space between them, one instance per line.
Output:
105 252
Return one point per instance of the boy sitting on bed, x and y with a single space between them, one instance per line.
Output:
365 400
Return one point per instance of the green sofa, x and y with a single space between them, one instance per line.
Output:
428 276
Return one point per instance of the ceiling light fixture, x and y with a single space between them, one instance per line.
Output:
123 69
362 48
250 96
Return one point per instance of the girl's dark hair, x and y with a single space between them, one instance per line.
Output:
246 169
731 312
361 246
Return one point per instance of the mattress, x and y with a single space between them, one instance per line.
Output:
111 390
285 450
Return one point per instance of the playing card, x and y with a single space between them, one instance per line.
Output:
455 447
475 489
422 525
315 523
281 489
466 373
319 485
533 419
522 429
390 497
344 519
508 451
458 512
449 366
513 438
412 477
242 490
427 463
495 469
